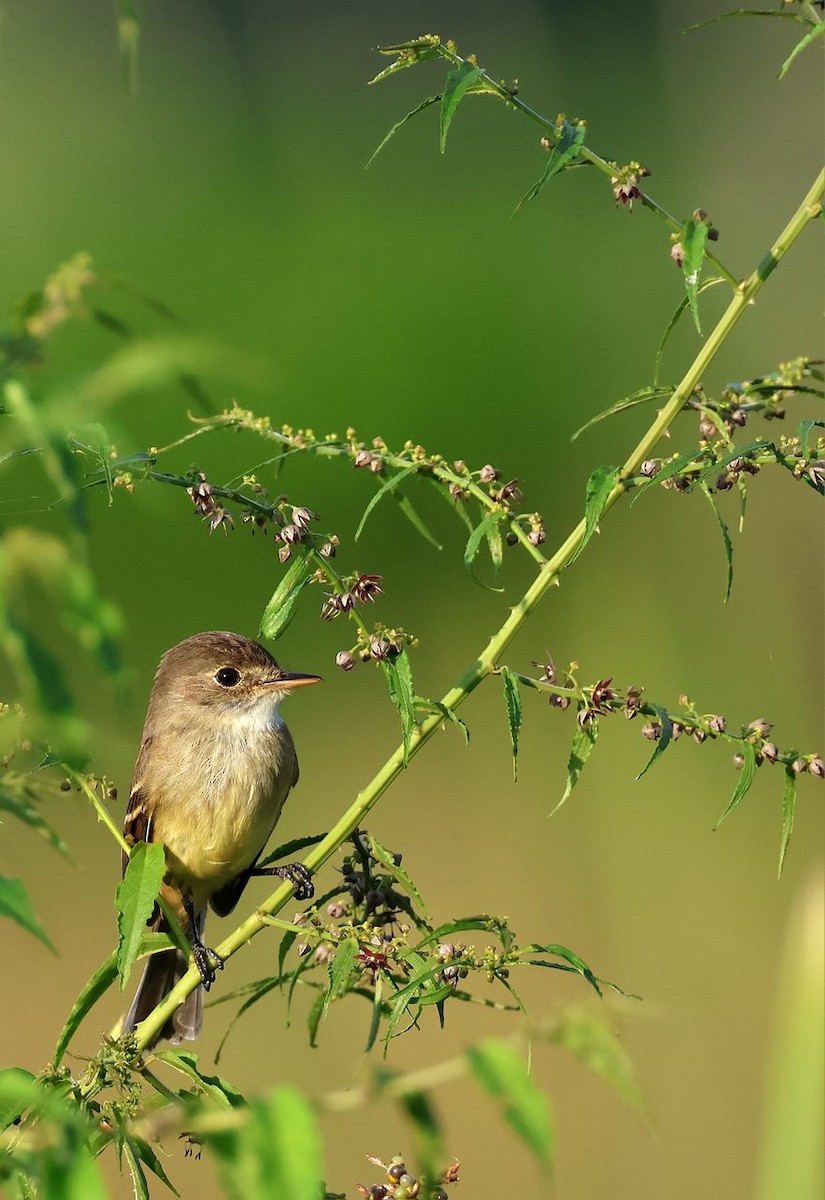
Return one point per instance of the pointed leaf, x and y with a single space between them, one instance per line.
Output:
662 742
402 693
224 1094
512 700
459 80
16 904
502 1073
788 811
746 774
574 961
643 395
600 485
398 124
276 1154
726 539
388 486
566 147
477 537
387 860
314 1016
804 435
281 607
584 739
694 240
339 971
593 1043
99 983
405 504
135 900
673 322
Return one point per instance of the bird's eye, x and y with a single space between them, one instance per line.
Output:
227 677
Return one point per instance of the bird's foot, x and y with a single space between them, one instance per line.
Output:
207 961
298 876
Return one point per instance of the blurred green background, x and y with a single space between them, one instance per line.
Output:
399 300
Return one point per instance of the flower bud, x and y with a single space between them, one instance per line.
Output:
290 534
652 731
761 727
377 465
344 660
511 538
284 553
650 467
379 649
817 767
770 752
362 459
717 724
798 766
536 537
323 954
699 735
489 474
739 761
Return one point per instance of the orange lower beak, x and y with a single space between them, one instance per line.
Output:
292 679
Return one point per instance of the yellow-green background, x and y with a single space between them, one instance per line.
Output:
400 301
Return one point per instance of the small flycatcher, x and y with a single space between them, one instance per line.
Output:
215 766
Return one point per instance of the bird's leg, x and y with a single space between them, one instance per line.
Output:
296 873
206 959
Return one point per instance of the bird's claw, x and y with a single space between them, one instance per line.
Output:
299 877
207 961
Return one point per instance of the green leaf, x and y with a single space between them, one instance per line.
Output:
388 486
662 742
592 1042
788 812
99 983
140 1187
503 1074
16 1088
726 539
673 322
339 971
512 700
746 12
667 471
426 1128
377 1012
281 607
387 860
599 488
584 739
276 1154
694 240
574 962
405 504
746 775
475 539
402 693
224 1094
643 396
804 435
398 124
459 81
135 900
16 904
20 807
314 1017
495 545
449 715
566 147
410 54
816 32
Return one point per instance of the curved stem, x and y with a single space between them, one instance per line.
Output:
487 660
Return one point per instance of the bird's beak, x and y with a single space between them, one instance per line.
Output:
288 680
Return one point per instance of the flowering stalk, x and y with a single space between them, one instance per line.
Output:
489 657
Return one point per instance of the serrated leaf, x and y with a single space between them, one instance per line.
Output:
135 900
459 81
662 742
140 1187
673 322
502 1073
281 607
339 971
746 774
566 147
20 807
643 396
512 701
224 1094
387 860
398 124
801 45
17 1085
15 903
388 486
788 812
450 715
694 241
726 539
584 739
402 693
599 488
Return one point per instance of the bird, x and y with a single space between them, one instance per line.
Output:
215 766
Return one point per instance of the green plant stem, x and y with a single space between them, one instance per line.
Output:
489 657
590 156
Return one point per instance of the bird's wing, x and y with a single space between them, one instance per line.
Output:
137 824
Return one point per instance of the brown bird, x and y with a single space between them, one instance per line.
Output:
215 766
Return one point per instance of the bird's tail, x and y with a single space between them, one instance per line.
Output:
161 973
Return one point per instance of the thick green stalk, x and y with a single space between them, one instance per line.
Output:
487 660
